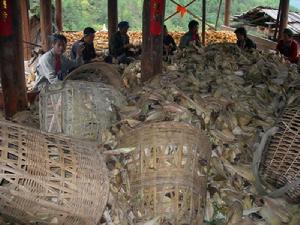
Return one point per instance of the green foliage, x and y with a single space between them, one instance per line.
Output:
78 14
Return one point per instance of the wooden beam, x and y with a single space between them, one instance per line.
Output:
284 17
192 14
203 21
58 15
277 21
26 30
112 17
173 14
46 24
152 47
227 12
218 15
12 60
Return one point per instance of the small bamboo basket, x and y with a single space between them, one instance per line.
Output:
50 179
78 109
281 157
168 172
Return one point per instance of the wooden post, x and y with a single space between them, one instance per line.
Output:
284 16
58 15
152 47
26 30
12 59
203 21
227 12
112 17
46 23
277 20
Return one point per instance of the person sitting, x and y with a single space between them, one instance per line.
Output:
89 52
119 46
169 43
191 37
53 65
288 46
243 41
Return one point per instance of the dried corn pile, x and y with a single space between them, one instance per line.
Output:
101 39
231 95
213 37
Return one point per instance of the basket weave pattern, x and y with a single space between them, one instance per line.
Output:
168 172
78 109
50 179
281 159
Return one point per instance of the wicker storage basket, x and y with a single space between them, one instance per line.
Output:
50 179
281 157
168 172
78 109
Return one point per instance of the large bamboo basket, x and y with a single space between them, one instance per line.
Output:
78 109
280 165
97 72
168 172
50 179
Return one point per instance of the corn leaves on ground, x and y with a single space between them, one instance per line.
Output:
230 94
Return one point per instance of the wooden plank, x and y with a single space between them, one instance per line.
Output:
46 24
58 15
26 30
112 17
262 43
12 64
152 47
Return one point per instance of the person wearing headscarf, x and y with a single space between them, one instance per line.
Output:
119 45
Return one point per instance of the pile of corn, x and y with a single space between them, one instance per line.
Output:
213 37
101 39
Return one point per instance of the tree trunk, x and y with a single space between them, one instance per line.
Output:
12 60
152 47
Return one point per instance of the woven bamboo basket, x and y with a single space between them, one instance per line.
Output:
168 172
97 72
281 157
78 109
50 179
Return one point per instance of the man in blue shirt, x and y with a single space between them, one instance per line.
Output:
191 37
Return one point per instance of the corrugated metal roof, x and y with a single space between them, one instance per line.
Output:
293 19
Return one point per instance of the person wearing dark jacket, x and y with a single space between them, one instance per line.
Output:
243 41
119 46
288 46
169 43
89 52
